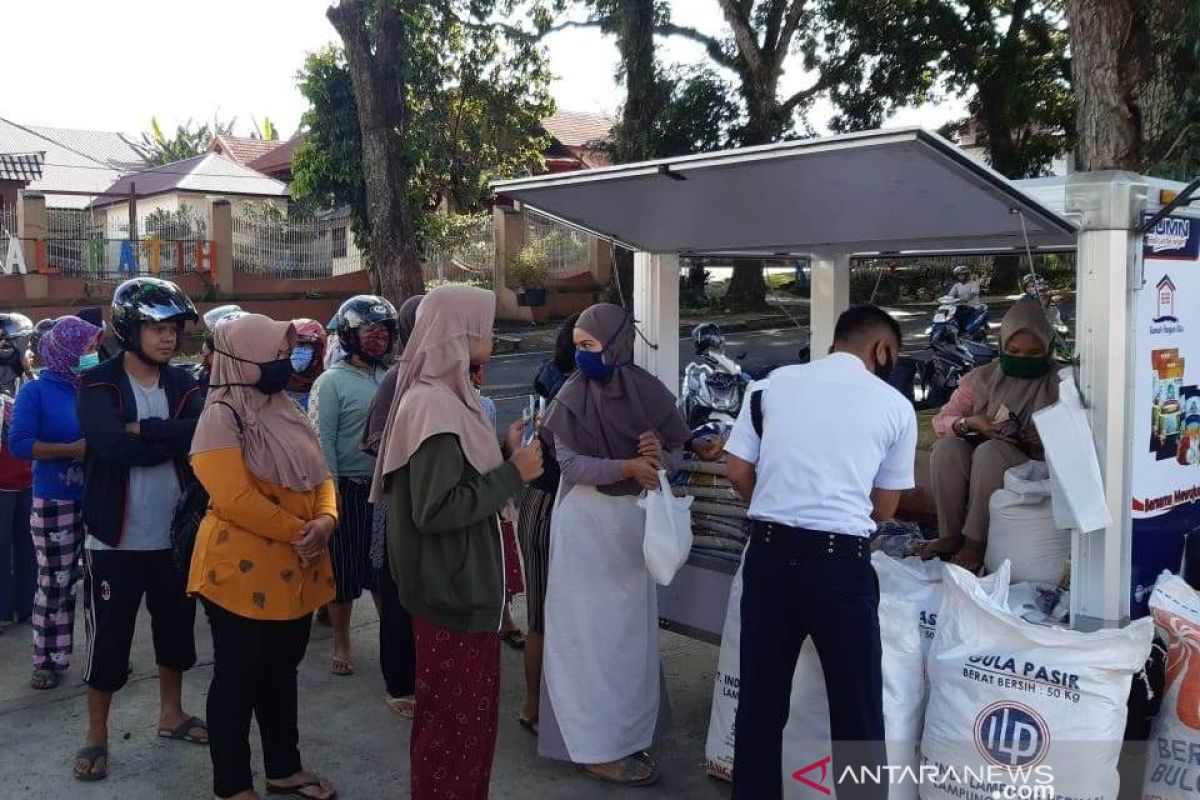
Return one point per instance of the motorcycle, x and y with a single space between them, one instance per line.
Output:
929 382
714 384
946 322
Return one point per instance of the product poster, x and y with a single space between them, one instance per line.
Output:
1165 463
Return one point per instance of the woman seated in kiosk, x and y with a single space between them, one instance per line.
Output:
986 429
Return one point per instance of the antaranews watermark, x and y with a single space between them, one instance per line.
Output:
981 782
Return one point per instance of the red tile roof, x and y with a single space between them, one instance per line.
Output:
243 150
278 159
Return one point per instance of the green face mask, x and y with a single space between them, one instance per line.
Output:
1025 368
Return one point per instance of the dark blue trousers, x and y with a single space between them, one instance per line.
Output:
793 589
18 566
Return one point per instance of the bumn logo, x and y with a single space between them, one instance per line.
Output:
1011 735
822 765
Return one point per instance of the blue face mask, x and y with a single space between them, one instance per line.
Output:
302 359
86 362
592 365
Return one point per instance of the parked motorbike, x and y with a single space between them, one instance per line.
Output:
929 381
958 321
714 384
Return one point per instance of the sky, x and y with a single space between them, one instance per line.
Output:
119 62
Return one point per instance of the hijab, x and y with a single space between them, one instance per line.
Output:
277 441
994 389
433 393
406 319
310 333
62 346
605 419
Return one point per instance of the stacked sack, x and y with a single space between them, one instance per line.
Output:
1012 703
718 514
1173 755
910 598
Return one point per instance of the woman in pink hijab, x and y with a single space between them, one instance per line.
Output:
442 476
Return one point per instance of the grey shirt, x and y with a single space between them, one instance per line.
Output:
153 491
594 471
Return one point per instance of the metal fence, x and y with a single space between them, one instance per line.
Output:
8 228
87 243
470 258
566 249
285 246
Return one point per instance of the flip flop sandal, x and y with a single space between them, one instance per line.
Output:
341 666
297 791
92 754
530 725
183 731
514 639
44 679
403 707
630 767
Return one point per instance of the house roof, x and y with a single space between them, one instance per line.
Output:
900 190
77 163
211 173
241 149
23 167
279 158
578 128
107 147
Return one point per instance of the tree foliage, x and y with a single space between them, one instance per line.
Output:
422 106
189 139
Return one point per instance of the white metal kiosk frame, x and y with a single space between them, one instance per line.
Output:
892 192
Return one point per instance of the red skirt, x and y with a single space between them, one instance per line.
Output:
457 712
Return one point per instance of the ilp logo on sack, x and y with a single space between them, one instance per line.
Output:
1011 735
823 765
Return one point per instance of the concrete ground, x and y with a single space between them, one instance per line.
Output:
346 732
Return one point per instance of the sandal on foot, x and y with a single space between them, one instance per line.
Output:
183 732
530 725
970 557
93 755
630 769
514 639
44 679
403 707
935 548
298 792
341 666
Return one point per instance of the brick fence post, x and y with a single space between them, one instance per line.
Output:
33 227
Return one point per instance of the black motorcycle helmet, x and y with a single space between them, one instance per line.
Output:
140 300
18 331
42 327
360 311
707 337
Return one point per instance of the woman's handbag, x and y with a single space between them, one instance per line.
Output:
190 512
668 540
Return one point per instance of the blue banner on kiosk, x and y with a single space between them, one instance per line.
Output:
1165 422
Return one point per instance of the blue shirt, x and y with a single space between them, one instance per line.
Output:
45 412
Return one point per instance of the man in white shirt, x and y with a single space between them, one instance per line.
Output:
824 452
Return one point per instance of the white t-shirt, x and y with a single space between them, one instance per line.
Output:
832 432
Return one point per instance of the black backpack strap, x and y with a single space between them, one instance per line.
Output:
236 416
756 411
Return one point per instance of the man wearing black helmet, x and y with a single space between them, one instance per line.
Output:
138 415
339 406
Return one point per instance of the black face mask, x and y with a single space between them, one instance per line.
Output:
273 375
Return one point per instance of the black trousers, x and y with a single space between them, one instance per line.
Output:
397 652
254 673
793 589
114 583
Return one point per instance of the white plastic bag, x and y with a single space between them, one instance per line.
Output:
668 539
1012 703
1022 528
1175 737
1078 489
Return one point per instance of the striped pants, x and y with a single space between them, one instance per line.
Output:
350 545
57 528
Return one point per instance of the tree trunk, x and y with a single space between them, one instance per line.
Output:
1105 76
747 288
644 97
377 61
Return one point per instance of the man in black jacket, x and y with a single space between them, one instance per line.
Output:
137 414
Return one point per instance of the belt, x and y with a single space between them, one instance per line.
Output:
810 543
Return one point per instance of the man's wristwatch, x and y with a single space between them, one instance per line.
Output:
961 427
